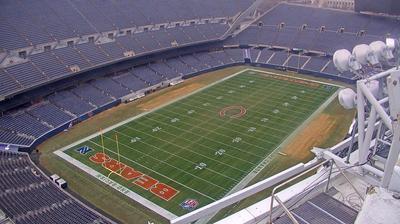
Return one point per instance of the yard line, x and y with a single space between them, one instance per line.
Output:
161 162
230 146
134 129
184 148
189 106
213 131
166 143
275 91
225 91
193 163
203 136
126 158
297 112
271 99
173 165
269 113
242 78
241 133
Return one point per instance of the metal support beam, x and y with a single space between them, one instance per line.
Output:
393 85
361 119
374 102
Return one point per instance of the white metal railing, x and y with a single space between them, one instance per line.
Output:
286 210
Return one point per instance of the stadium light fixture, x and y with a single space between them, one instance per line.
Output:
394 45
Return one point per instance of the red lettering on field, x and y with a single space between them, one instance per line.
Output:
164 191
161 190
129 173
113 165
145 182
99 158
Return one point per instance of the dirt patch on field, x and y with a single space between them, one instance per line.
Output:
168 96
312 135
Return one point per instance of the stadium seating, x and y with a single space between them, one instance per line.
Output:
283 26
279 58
28 196
49 114
46 22
316 64
111 87
163 70
295 16
130 81
271 46
68 101
23 123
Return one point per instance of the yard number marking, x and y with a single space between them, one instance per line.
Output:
237 140
220 152
156 129
174 120
200 166
135 139
252 129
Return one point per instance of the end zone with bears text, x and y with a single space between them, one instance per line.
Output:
144 181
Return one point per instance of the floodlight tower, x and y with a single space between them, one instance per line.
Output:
382 51
378 122
365 55
394 45
345 61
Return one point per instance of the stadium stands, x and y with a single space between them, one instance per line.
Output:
130 81
111 87
289 37
54 24
46 21
28 196
273 44
286 29
68 101
50 114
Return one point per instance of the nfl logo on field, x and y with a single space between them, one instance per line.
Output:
189 204
84 150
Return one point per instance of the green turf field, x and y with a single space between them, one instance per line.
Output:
204 144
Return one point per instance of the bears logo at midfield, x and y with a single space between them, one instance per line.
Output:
189 204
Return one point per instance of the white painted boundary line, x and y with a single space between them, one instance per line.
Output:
161 211
148 204
143 201
148 112
294 77
261 165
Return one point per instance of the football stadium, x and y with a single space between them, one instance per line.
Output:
211 111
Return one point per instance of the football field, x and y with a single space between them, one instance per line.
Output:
195 150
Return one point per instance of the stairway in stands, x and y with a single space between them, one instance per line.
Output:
322 209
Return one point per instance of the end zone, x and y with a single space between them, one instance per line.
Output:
118 187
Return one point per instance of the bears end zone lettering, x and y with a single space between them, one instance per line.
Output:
128 173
